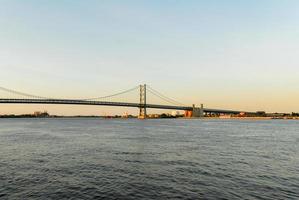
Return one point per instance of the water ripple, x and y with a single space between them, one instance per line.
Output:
151 159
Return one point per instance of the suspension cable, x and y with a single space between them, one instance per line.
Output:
22 93
165 98
41 97
119 93
150 89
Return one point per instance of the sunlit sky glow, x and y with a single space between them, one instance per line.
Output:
226 54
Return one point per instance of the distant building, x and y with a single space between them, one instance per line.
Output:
188 113
225 116
153 116
175 113
125 115
242 114
41 114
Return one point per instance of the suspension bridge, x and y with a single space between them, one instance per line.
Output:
142 104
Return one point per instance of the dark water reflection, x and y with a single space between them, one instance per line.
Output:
149 159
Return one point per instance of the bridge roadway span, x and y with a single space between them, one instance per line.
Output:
107 103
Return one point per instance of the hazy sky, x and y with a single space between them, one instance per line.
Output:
226 54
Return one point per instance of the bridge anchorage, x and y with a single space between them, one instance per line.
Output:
190 111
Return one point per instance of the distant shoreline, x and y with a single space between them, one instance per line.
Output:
48 117
135 117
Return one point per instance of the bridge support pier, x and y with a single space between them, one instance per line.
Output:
198 112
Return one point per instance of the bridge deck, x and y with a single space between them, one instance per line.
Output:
107 103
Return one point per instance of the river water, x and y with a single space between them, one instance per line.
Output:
148 159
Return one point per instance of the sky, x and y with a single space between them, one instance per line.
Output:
231 54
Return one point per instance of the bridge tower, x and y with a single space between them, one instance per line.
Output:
142 108
198 112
